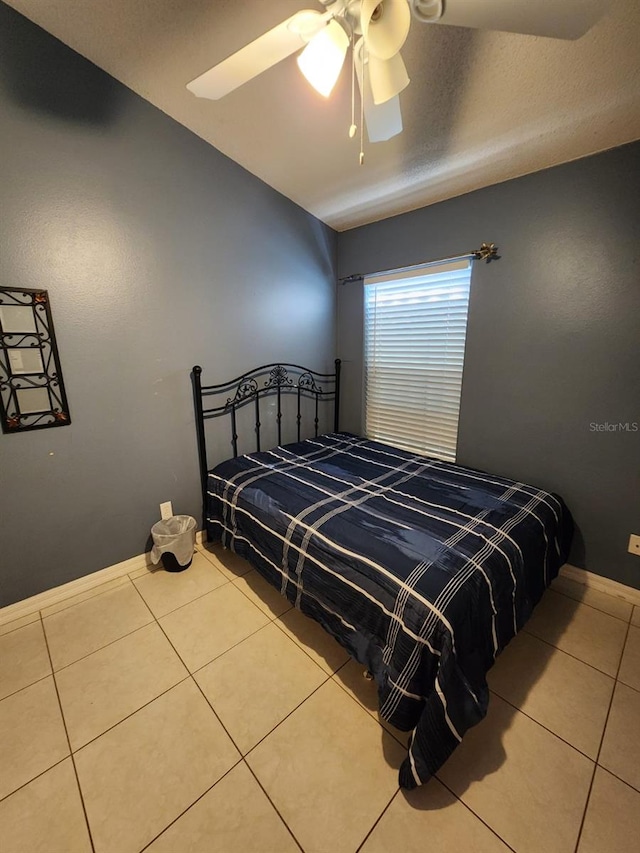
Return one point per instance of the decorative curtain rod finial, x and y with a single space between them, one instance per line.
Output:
487 252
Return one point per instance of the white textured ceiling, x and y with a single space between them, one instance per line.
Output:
481 108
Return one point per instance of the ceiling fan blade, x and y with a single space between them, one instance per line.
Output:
563 19
259 55
383 120
388 77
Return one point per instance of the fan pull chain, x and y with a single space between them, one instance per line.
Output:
353 128
362 109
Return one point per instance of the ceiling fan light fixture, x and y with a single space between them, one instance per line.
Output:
427 10
385 26
388 77
322 59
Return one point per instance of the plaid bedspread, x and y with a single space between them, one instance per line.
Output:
423 570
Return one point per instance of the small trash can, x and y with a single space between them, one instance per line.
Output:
174 541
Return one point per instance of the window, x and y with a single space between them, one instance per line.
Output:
415 329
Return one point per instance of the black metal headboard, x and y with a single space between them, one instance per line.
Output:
253 386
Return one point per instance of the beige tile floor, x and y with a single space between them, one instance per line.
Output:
199 713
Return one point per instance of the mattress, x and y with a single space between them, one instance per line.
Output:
423 570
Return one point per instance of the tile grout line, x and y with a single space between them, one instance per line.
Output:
604 732
199 669
71 755
213 710
564 652
122 720
241 754
101 648
377 820
593 607
218 656
242 759
554 734
239 751
182 813
191 677
398 790
33 779
110 643
272 619
186 603
292 711
128 716
543 726
216 563
628 686
95 591
227 580
624 648
361 707
275 621
594 762
200 549
330 677
615 680
154 618
187 677
613 693
475 814
273 805
35 614
27 686
619 778
297 707
67 603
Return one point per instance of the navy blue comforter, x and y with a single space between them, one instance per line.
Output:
423 570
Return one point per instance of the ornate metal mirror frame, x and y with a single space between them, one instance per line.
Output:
32 393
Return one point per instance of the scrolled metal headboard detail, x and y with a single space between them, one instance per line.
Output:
254 385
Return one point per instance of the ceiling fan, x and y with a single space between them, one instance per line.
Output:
376 30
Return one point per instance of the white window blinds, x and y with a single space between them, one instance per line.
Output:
415 329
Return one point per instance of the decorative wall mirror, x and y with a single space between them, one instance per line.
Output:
32 393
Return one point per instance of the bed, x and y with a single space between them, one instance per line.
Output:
422 569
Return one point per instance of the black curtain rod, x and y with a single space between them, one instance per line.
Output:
487 252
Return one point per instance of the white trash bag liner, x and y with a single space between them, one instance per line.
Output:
176 535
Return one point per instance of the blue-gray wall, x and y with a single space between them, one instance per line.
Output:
553 341
158 253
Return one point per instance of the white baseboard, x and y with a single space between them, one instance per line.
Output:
84 584
76 587
602 584
81 585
